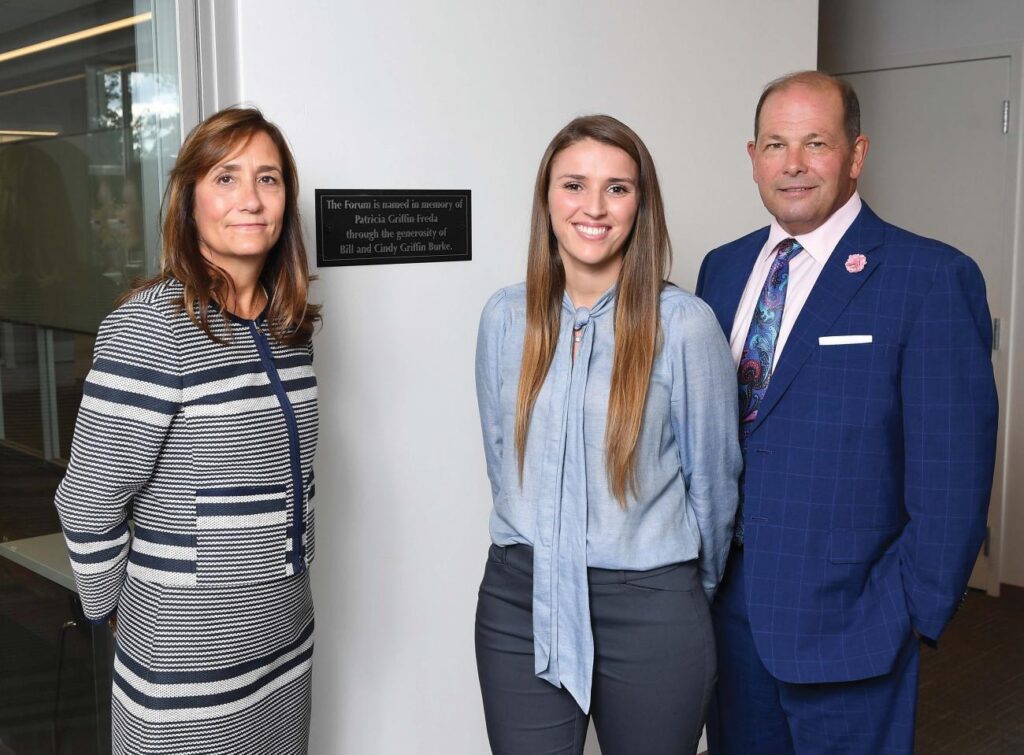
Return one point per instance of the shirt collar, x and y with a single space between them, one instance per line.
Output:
582 315
820 242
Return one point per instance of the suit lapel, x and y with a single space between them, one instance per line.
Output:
734 280
829 297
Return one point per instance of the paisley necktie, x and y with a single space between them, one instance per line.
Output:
755 368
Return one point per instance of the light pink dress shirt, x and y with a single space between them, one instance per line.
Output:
804 269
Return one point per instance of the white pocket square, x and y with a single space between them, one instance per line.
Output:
842 340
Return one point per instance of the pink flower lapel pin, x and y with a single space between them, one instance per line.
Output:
855 263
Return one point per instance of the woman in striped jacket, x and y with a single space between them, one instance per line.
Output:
199 424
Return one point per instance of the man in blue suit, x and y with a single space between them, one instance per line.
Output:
868 422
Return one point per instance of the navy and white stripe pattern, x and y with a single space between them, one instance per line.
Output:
208 447
213 669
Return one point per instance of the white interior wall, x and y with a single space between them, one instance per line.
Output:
466 94
854 34
857 35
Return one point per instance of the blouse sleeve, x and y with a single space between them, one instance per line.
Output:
493 326
705 422
131 395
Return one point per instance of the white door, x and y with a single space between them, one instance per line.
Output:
938 166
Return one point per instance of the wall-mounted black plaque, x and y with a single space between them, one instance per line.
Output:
384 226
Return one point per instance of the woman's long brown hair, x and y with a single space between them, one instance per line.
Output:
645 265
285 275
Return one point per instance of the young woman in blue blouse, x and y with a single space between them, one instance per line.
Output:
608 405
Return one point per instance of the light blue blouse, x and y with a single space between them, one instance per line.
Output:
687 462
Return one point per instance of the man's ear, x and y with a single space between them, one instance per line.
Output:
860 151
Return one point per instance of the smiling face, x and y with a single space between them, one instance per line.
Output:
804 164
592 203
239 204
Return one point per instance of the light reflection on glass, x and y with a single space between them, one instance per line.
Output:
75 205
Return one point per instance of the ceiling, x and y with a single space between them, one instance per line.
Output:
49 90
16 14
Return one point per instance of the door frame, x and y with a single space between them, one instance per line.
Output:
207 58
1007 477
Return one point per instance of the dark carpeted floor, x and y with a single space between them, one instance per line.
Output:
972 687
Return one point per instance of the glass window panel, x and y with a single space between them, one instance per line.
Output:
89 125
21 429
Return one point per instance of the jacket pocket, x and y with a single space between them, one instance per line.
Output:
241 534
854 546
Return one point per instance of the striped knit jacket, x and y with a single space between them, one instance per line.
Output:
207 447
